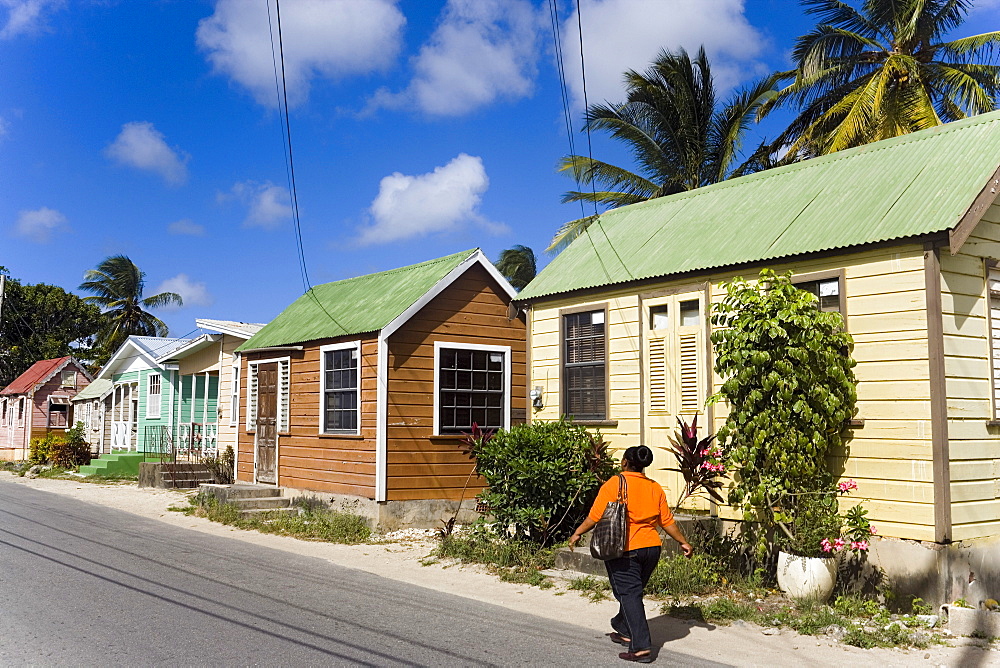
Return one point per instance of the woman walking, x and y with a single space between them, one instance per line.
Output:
647 509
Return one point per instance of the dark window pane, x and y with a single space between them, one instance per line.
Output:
469 381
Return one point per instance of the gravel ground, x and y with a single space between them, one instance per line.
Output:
399 556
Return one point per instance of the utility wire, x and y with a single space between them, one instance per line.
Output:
586 103
291 160
564 91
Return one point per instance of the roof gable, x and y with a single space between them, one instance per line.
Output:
40 372
144 348
366 303
909 186
243 330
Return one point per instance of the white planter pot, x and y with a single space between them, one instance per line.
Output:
807 577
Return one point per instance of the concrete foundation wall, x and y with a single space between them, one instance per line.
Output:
393 515
940 574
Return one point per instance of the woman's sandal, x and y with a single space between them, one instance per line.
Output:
638 658
619 638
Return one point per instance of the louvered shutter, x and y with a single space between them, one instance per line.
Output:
284 399
690 366
252 396
993 288
658 385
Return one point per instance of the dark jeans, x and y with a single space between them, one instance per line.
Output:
629 576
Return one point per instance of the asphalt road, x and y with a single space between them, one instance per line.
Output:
81 584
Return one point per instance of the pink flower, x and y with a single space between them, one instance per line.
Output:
825 544
872 529
847 485
862 545
838 544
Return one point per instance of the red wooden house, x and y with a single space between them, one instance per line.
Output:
37 402
364 387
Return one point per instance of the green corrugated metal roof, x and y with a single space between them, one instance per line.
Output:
95 390
355 305
909 186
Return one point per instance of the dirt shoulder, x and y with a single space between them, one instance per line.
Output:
740 644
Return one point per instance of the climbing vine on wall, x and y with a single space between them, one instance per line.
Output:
789 383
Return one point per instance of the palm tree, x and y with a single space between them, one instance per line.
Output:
675 132
517 264
882 71
117 284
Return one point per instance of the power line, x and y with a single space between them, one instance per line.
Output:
564 90
586 103
288 135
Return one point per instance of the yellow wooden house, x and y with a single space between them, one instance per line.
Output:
901 236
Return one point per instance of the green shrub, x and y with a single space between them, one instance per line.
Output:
542 478
71 451
40 449
676 575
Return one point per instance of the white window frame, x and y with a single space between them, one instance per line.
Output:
284 403
323 350
150 412
234 394
506 350
68 375
20 412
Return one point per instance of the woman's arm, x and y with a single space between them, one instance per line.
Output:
676 534
584 527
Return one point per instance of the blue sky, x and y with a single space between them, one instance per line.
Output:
419 128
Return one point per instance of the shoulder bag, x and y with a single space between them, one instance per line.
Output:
610 539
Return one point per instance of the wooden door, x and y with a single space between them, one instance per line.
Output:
267 423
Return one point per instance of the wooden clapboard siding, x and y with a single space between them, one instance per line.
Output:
974 447
472 310
308 459
886 314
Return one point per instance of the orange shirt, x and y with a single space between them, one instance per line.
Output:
647 508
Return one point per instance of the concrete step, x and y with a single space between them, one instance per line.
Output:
262 503
226 493
278 511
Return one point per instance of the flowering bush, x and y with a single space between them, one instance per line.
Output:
817 528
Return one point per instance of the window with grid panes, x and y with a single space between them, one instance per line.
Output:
340 391
471 388
584 366
826 290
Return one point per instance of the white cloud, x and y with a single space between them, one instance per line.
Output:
186 226
39 225
619 35
324 39
193 293
26 16
415 206
481 51
142 146
267 204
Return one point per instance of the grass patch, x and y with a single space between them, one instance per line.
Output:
678 576
596 589
310 524
855 621
513 560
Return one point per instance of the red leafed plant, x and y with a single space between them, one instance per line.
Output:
700 462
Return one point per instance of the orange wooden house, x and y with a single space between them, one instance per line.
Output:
364 387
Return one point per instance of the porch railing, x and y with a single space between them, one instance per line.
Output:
192 441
